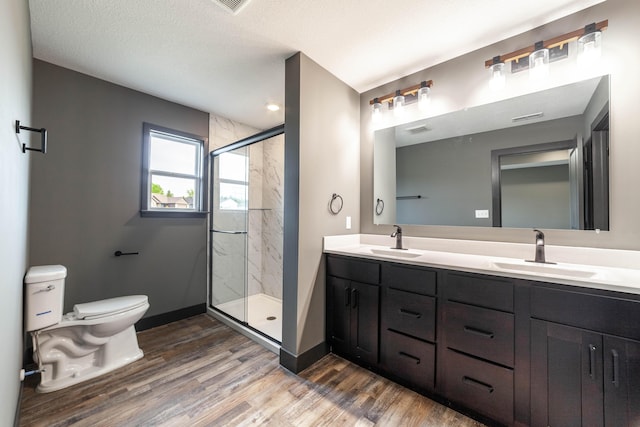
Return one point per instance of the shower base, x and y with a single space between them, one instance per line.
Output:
264 313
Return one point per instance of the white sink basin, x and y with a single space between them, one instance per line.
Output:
550 269
394 253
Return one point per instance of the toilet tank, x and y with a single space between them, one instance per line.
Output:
44 296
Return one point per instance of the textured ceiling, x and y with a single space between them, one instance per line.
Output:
195 53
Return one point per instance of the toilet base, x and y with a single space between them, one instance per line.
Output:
65 365
96 371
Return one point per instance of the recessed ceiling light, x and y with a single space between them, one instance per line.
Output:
273 107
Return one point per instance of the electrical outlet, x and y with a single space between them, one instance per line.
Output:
348 223
482 213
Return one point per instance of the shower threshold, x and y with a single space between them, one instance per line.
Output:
264 314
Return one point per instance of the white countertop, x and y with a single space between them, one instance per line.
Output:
608 269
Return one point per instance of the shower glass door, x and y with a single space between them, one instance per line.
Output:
229 223
247 230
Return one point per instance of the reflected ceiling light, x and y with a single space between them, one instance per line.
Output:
538 56
273 107
498 78
398 99
539 62
589 46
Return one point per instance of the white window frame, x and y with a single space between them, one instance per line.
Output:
146 208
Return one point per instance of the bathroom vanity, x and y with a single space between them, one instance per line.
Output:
511 342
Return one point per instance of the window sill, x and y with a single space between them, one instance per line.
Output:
173 214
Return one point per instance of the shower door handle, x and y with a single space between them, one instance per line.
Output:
213 230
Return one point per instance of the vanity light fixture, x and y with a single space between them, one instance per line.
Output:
497 73
398 99
423 96
398 103
589 46
539 62
273 107
556 48
376 109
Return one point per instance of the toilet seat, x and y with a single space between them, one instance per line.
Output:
108 307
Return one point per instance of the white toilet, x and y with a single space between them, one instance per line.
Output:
93 339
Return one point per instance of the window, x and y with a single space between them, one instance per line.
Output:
172 170
234 185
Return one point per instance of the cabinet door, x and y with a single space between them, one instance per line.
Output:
621 382
566 376
338 313
365 306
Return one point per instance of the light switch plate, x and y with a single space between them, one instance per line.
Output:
482 213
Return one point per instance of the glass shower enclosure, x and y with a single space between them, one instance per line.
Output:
246 231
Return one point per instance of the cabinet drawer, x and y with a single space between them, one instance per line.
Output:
483 291
354 269
410 359
479 331
610 315
409 313
417 280
478 385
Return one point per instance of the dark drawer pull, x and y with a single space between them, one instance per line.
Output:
347 299
616 373
592 361
478 384
410 313
415 359
480 332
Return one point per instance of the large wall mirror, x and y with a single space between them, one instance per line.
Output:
537 160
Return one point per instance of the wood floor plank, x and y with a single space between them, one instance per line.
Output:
199 372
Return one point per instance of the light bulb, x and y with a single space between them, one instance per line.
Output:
423 96
539 63
376 110
589 49
498 78
398 104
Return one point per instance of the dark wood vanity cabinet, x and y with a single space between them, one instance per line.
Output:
518 353
476 359
408 324
353 300
585 359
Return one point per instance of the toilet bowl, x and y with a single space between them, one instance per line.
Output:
95 338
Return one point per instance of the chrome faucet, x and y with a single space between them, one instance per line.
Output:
398 235
539 246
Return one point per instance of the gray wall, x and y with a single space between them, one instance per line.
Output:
453 175
85 195
463 82
321 158
15 104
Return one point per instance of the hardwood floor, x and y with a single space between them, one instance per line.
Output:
199 372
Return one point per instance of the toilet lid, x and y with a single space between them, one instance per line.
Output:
108 306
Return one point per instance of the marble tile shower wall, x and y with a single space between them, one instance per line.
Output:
228 270
266 214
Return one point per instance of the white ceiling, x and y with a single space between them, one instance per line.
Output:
195 53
